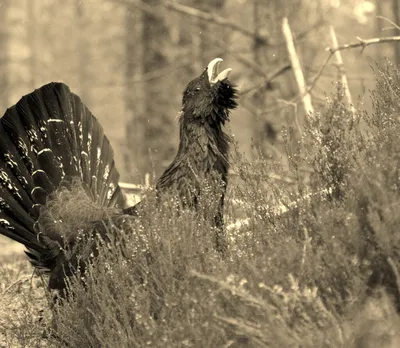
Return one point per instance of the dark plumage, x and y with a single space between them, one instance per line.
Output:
49 138
203 148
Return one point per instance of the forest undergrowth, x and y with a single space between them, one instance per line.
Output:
314 261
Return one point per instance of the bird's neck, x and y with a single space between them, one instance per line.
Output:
204 147
202 154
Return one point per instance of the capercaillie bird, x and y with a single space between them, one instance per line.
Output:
50 138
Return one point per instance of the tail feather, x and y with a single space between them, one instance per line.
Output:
13 160
13 129
96 143
47 138
114 194
11 228
13 187
104 171
10 206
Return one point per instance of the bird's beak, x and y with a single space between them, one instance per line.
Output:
213 71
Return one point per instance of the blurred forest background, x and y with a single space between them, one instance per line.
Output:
129 60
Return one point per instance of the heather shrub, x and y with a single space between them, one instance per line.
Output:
313 252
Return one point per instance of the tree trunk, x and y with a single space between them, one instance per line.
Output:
4 86
83 53
32 41
396 19
205 36
149 132
259 134
134 96
155 121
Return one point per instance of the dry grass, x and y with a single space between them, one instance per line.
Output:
24 310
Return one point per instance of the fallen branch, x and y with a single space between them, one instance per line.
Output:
278 209
136 187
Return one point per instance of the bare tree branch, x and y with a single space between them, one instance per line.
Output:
240 58
141 5
364 43
211 17
306 245
302 35
394 25
165 71
190 11
296 67
316 78
395 272
342 72
279 71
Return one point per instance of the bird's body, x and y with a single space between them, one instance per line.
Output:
50 139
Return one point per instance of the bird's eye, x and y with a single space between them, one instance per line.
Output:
197 89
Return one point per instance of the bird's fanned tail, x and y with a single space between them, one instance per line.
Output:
47 138
59 184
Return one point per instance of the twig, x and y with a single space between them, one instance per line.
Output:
307 242
342 72
245 328
298 73
395 26
364 43
316 78
240 58
295 113
279 71
229 343
17 282
395 271
211 17
165 71
193 12
304 34
141 5
241 293
272 176
274 109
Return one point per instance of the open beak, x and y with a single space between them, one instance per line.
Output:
213 71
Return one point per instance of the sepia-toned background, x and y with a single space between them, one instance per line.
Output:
129 60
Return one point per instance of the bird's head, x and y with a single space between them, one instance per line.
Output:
209 97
